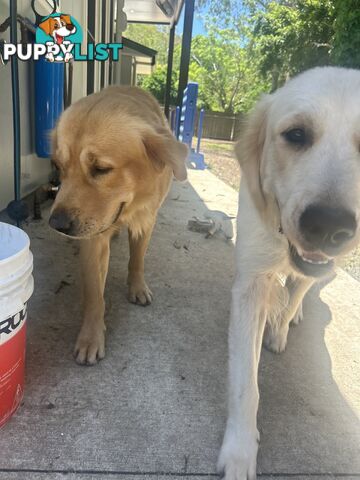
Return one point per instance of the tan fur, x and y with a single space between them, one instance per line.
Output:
124 129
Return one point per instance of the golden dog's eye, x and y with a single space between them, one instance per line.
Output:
97 170
296 136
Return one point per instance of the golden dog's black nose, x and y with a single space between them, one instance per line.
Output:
61 221
327 228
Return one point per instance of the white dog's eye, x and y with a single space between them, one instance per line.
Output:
296 136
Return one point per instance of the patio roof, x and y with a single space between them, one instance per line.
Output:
144 57
164 12
138 50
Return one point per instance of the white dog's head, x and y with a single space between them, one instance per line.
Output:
300 155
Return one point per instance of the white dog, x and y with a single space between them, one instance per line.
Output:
299 209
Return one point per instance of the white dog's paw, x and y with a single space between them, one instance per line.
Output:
298 317
275 338
50 57
237 459
90 345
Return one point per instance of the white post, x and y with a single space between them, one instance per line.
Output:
121 24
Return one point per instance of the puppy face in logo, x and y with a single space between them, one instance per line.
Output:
58 28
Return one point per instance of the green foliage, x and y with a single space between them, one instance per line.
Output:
152 36
346 51
289 37
156 83
253 46
228 80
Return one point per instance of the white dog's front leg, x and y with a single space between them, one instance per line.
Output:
239 450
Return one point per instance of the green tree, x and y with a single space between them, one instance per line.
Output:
227 79
152 36
252 46
346 44
156 83
288 37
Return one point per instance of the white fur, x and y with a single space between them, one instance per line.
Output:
327 99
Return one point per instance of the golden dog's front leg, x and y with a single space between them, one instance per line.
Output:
138 292
94 257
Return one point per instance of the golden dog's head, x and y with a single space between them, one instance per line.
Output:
109 161
300 156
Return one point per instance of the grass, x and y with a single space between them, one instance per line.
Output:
220 159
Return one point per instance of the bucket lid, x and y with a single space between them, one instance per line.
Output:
13 243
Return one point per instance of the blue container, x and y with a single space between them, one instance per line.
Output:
49 102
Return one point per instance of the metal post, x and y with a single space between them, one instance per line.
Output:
169 71
121 22
133 72
103 40
15 101
112 6
200 127
185 48
91 39
177 122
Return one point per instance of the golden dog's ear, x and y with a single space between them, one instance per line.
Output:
48 25
249 150
162 148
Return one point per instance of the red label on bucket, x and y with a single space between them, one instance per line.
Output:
12 363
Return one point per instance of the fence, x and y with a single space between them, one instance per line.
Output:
221 126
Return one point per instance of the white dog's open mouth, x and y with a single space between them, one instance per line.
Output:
312 264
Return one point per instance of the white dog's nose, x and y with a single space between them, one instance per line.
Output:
327 228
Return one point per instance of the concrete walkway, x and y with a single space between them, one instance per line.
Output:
156 406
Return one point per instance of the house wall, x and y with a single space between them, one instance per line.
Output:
35 171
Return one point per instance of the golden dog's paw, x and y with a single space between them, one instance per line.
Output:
140 294
90 346
275 339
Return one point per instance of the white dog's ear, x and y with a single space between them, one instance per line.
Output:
162 148
249 150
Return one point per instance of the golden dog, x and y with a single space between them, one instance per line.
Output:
116 157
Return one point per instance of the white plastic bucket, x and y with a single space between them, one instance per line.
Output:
16 287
